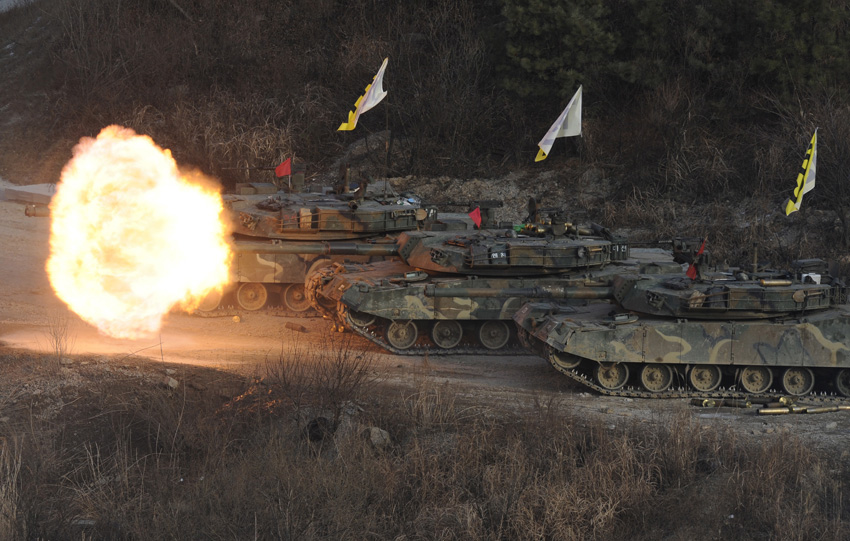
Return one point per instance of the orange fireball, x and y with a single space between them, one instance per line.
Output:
131 236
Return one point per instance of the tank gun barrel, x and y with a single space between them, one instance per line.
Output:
483 203
539 292
318 248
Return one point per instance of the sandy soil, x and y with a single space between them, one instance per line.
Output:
27 305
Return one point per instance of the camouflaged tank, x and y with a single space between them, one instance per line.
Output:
262 216
457 293
731 335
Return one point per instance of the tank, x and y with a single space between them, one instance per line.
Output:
312 225
724 335
456 292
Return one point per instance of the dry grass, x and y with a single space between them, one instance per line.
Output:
220 458
10 468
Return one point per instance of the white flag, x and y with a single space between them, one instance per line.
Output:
567 125
373 96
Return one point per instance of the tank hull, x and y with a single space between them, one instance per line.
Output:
447 313
796 354
820 340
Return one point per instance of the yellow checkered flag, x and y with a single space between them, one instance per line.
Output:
806 177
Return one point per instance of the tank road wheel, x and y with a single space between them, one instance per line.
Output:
842 382
705 378
756 379
798 381
656 378
612 376
567 361
447 334
252 295
402 334
211 301
494 334
360 319
294 298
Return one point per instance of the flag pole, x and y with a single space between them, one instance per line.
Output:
755 257
387 147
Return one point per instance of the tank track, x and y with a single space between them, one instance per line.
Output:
376 332
230 307
582 377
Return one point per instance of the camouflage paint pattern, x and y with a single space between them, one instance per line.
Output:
820 339
772 319
395 291
295 216
678 296
494 252
284 268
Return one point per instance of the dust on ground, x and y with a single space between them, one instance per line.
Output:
193 350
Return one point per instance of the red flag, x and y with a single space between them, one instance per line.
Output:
476 216
285 168
692 270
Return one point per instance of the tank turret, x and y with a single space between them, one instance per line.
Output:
517 252
259 210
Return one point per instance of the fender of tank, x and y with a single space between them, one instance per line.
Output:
723 335
451 308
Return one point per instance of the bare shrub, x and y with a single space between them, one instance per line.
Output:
648 209
447 112
325 379
59 335
90 30
696 160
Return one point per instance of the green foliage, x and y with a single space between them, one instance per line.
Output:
732 46
796 44
643 49
664 39
552 47
726 44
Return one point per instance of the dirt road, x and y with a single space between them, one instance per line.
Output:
28 309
